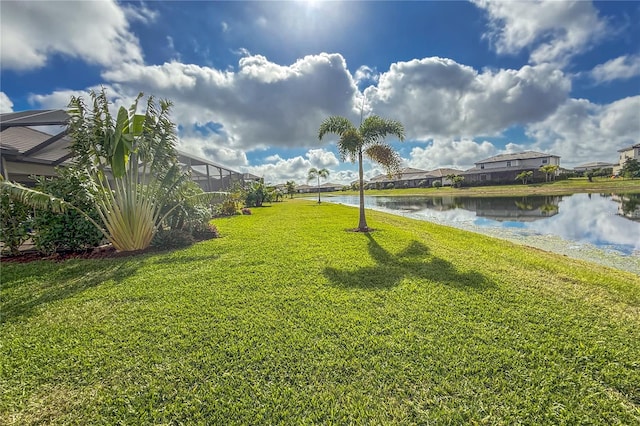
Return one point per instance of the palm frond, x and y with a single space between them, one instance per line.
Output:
384 155
336 125
349 145
33 198
374 129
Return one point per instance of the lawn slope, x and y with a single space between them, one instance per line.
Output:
290 318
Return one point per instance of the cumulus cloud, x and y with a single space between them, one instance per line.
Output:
33 31
439 98
5 103
278 170
581 131
553 31
261 104
620 68
456 154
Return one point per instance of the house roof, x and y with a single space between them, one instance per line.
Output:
594 164
526 155
629 148
443 172
44 117
27 145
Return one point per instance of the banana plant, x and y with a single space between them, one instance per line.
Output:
132 164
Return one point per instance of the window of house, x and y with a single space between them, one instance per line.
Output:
544 161
483 177
482 166
508 163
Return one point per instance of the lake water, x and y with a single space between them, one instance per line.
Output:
596 227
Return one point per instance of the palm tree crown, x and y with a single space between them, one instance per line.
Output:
366 140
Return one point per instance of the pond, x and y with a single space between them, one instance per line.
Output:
599 227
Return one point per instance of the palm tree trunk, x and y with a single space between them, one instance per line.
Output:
318 189
362 225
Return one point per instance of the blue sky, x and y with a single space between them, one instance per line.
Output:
252 81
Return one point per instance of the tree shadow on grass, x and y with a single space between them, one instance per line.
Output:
55 282
414 261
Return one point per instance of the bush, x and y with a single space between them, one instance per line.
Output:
15 221
206 232
172 238
69 230
390 185
437 184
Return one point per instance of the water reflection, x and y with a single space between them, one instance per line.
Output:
611 222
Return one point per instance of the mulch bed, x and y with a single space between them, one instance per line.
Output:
102 252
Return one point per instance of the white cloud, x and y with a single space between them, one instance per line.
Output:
140 13
553 31
5 103
580 131
456 154
620 68
439 98
261 104
279 170
33 31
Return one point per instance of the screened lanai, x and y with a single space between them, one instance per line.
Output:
35 142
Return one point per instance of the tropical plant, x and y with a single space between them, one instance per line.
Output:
15 221
437 184
68 230
365 141
524 176
549 171
256 194
132 167
291 188
456 180
631 168
317 174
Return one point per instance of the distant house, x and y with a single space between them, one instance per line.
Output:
324 187
632 152
413 178
593 166
504 168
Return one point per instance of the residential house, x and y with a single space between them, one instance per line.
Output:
414 178
596 165
504 168
632 152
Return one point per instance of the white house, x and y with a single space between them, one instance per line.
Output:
632 152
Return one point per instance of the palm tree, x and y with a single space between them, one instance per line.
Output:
366 140
549 170
315 173
291 188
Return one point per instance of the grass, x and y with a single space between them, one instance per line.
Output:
289 318
560 187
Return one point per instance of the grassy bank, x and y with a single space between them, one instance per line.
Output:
561 187
289 318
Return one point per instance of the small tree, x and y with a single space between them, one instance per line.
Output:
549 171
524 176
456 180
291 188
317 174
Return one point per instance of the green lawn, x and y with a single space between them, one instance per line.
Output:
288 318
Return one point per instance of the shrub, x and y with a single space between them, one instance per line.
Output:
172 238
390 185
191 213
206 232
405 185
69 230
437 184
15 221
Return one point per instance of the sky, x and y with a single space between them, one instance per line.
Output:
251 82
